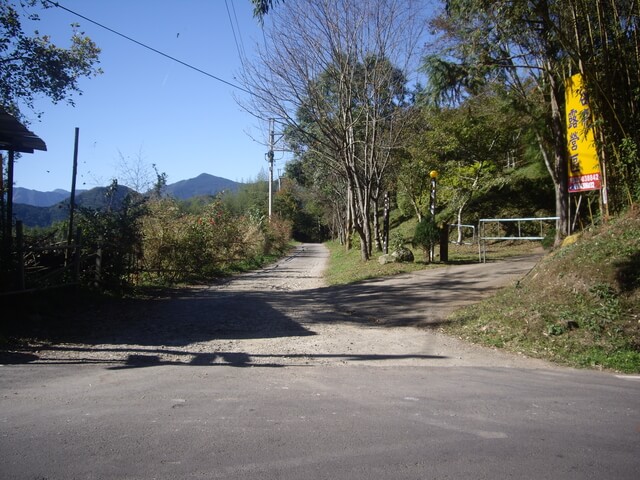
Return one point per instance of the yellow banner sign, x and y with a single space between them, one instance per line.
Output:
584 166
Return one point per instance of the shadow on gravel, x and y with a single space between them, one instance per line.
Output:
146 331
420 299
241 359
183 317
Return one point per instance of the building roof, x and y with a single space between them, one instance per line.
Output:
15 136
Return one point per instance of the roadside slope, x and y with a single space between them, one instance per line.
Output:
579 306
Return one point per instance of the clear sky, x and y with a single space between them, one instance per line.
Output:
145 106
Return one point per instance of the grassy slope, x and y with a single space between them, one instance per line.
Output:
580 306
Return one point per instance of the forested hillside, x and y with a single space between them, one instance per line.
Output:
489 120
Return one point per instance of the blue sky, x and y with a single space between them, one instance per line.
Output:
146 108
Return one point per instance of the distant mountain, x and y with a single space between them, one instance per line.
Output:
39 199
203 184
41 209
96 198
40 216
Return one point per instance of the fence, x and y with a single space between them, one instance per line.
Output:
511 226
460 230
42 268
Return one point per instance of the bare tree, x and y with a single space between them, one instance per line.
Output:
335 72
135 172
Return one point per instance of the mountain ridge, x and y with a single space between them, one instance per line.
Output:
203 184
41 209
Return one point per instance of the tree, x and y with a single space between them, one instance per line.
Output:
250 198
514 42
426 236
262 7
33 66
599 35
483 133
532 46
334 72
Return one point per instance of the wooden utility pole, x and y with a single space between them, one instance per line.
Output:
72 199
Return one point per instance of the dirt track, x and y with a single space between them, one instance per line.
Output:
284 315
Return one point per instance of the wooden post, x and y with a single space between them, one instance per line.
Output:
72 198
98 277
20 255
444 243
4 240
77 256
2 198
9 225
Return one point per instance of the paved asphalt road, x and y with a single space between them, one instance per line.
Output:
75 419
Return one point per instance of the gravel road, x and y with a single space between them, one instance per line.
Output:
285 315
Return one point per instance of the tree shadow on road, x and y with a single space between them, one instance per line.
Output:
132 358
145 331
420 299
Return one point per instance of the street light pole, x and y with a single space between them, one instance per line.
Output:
434 175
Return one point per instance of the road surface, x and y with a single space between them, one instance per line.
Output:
272 375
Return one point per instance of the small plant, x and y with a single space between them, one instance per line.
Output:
426 235
396 242
556 329
549 239
607 311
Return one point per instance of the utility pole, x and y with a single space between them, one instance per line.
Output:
72 198
270 160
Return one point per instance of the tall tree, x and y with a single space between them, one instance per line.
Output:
514 42
532 46
31 65
599 35
340 66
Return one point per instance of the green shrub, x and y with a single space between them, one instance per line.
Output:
426 235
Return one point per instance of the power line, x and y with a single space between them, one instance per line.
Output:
56 4
235 16
233 30
242 89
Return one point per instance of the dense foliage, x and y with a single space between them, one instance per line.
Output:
32 65
530 47
152 240
180 246
490 118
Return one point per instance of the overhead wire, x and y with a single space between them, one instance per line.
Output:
233 31
239 46
235 16
126 37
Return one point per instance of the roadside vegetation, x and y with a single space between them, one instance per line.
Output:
580 305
